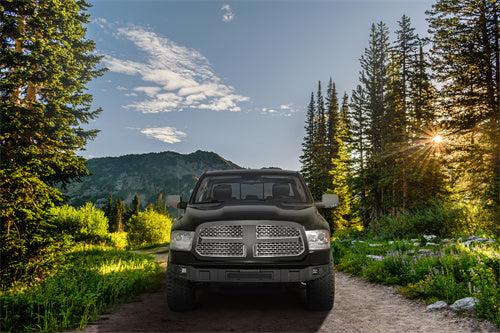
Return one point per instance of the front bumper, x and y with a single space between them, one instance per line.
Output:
261 275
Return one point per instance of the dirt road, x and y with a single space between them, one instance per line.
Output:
360 306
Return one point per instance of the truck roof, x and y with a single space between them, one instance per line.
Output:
250 171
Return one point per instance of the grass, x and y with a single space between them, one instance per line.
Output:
91 279
448 271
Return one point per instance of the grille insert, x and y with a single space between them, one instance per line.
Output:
281 249
222 231
220 249
276 231
282 239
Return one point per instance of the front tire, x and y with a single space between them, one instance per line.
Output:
180 292
321 292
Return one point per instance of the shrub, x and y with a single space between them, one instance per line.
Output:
84 224
118 240
149 227
438 218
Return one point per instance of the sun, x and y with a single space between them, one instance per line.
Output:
437 139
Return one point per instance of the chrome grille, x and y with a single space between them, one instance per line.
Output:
282 239
220 249
222 231
276 231
285 249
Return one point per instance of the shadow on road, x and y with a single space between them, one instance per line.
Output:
228 309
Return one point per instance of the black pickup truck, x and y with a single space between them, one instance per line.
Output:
250 227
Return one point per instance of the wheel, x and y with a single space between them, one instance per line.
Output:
321 292
180 292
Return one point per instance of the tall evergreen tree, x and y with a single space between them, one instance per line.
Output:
308 143
120 211
360 146
136 205
332 110
320 172
345 215
403 53
46 64
373 79
159 204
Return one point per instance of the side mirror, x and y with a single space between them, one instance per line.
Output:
175 201
328 201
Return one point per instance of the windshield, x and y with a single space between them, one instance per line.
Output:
236 189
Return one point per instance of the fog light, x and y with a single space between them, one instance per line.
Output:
184 270
315 271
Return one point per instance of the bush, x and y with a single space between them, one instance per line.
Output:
118 240
148 228
85 224
438 218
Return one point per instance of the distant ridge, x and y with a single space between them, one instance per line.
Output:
143 174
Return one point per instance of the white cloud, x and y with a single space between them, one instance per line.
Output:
121 88
101 22
150 91
227 13
165 134
285 110
183 73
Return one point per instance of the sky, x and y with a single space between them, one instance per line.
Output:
231 77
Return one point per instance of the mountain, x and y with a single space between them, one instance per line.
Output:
145 175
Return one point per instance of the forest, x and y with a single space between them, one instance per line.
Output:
419 136
412 152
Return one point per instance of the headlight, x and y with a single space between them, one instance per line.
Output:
181 240
318 239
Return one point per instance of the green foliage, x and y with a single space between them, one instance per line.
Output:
118 240
91 280
46 64
435 219
466 65
345 216
84 224
448 271
440 218
148 228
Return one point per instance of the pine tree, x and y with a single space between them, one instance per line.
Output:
308 143
159 204
373 79
321 177
403 56
136 205
345 215
46 64
360 146
109 210
332 110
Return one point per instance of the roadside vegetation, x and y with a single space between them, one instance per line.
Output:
91 272
431 267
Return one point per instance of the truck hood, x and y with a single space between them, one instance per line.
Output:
308 216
